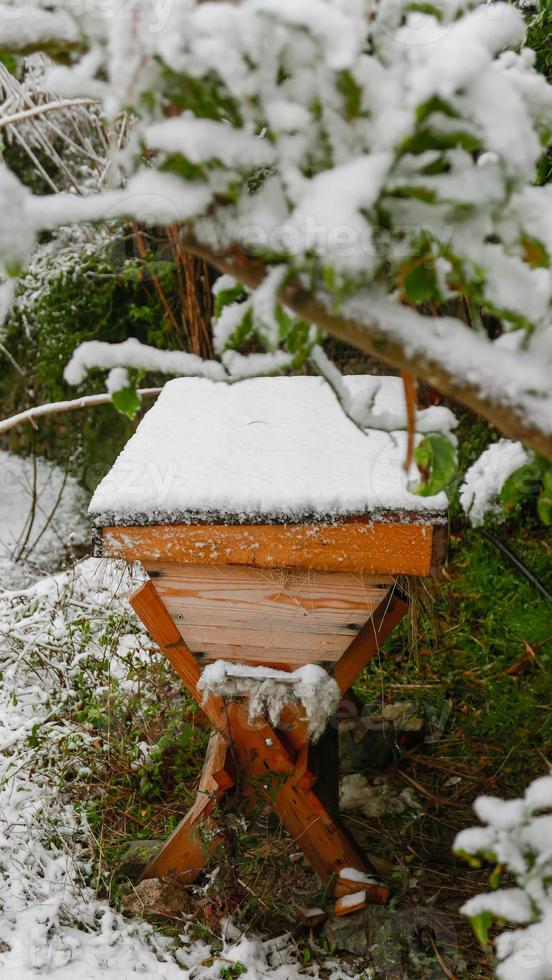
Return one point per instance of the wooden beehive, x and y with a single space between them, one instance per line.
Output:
272 531
271 527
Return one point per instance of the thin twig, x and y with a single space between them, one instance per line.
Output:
55 408
39 110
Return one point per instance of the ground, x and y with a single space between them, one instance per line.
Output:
98 735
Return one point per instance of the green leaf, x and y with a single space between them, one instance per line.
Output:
9 61
544 502
481 924
535 253
420 284
235 294
127 401
436 459
182 167
523 483
352 94
424 8
426 138
495 877
435 104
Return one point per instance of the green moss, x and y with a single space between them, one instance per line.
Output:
106 296
472 634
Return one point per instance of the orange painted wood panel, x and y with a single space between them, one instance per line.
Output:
254 615
283 599
357 546
191 844
368 642
206 637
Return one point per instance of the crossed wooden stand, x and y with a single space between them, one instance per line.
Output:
280 596
240 749
250 752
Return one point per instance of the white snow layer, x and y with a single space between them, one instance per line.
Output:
480 491
52 924
277 448
270 690
42 515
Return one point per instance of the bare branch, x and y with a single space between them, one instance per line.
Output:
40 110
54 408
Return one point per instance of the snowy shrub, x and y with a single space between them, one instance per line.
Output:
42 517
74 659
504 476
483 482
517 836
368 164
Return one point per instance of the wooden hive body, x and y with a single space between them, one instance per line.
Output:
272 532
283 618
278 595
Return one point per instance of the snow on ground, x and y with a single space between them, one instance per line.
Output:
42 516
53 637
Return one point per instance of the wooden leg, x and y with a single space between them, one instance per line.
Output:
191 844
368 641
275 764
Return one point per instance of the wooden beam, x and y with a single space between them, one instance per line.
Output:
368 642
353 546
188 849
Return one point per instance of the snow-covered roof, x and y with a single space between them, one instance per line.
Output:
265 449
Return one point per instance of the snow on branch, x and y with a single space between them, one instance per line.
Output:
483 482
517 836
59 105
349 159
57 408
494 381
131 353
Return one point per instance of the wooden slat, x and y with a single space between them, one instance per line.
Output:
345 905
267 656
273 599
375 894
356 546
201 637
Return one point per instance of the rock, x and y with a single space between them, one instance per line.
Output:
403 717
377 799
354 932
158 896
136 856
374 739
393 941
362 748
